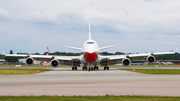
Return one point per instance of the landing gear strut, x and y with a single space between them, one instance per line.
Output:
90 67
74 68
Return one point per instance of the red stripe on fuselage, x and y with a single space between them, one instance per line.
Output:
90 57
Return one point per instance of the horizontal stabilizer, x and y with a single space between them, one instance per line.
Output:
107 47
72 47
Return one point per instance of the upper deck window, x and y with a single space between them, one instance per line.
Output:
90 42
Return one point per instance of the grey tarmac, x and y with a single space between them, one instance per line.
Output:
64 81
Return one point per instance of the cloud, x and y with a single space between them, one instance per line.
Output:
159 1
4 15
141 26
40 17
93 14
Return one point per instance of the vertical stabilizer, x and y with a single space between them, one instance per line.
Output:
89 31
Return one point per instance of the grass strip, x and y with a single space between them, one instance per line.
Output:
88 98
15 71
98 66
155 71
146 66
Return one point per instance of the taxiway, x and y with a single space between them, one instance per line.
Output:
64 81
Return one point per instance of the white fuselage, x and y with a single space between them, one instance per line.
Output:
90 52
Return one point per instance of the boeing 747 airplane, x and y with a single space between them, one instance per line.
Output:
90 55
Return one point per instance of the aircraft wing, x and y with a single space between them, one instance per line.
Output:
27 55
67 57
113 57
45 57
116 57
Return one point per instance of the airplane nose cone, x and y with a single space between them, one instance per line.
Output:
90 57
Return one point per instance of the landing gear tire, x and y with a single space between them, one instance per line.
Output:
74 68
96 68
84 68
106 68
89 69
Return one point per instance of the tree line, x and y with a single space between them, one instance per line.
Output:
175 56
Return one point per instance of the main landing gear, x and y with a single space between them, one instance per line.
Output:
106 67
84 68
91 68
74 68
96 67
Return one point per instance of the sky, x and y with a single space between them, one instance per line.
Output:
135 26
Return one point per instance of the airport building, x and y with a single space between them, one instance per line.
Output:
2 61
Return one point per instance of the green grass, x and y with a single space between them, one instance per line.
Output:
14 71
155 71
146 66
88 98
98 66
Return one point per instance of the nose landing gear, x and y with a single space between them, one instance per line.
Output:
91 68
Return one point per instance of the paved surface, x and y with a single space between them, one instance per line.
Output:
63 81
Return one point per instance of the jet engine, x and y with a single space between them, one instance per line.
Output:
29 61
151 59
126 62
54 63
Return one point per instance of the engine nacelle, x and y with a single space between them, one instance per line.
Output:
54 63
151 59
126 62
29 61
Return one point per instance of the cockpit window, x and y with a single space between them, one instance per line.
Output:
90 42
